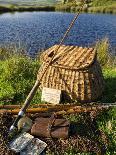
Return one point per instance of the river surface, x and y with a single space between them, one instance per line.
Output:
39 30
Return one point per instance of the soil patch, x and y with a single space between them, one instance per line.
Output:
86 137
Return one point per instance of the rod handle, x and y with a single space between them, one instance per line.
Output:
30 96
26 104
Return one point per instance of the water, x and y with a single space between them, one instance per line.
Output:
40 30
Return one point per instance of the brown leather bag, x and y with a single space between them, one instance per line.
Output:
51 127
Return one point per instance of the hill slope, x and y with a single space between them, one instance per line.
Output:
28 2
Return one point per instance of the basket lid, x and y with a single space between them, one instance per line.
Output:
70 57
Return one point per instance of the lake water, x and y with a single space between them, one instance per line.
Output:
40 30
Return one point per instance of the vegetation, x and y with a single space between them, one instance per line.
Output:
100 6
26 5
18 74
12 8
104 56
103 2
108 63
28 2
103 6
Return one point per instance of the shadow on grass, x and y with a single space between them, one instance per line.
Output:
109 95
93 132
89 137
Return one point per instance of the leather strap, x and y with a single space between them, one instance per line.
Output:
51 123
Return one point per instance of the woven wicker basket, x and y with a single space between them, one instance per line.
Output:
75 71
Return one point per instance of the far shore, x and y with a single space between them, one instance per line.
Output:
4 9
62 8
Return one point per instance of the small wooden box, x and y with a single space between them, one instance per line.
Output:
51 95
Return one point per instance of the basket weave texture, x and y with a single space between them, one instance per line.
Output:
75 71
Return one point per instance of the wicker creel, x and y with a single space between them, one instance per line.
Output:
75 71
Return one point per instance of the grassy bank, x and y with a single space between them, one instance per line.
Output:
18 74
71 7
94 6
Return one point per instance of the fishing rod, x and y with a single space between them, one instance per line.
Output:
57 106
60 110
41 73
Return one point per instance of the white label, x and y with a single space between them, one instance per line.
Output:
51 95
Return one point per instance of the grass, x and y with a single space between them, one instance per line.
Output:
69 7
18 74
109 95
108 63
103 2
103 53
102 9
96 6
